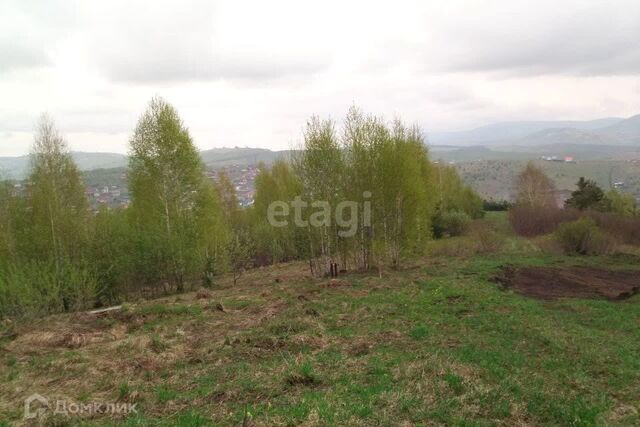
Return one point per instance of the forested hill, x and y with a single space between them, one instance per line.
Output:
17 167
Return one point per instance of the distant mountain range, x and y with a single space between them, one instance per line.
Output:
608 138
219 157
607 131
17 167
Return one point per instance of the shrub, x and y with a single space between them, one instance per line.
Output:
531 220
41 288
459 247
548 243
495 205
583 237
451 223
486 237
625 229
620 203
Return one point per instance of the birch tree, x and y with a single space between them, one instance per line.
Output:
57 205
175 207
320 167
7 233
535 188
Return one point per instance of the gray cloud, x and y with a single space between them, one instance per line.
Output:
179 64
30 31
549 56
98 120
177 42
567 38
226 63
16 55
13 122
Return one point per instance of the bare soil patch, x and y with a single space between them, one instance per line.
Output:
572 282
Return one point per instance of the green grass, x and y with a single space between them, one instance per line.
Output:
170 310
435 345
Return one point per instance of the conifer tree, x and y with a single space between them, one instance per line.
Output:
587 196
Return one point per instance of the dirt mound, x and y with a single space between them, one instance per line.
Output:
573 282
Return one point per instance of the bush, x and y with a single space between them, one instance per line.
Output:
459 247
452 223
625 229
42 288
496 206
583 237
486 237
531 221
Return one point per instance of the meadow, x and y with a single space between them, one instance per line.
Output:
436 342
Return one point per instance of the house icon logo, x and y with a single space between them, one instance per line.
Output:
35 406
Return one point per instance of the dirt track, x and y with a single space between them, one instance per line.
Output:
572 282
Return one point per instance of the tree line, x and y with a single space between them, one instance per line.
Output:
591 220
183 229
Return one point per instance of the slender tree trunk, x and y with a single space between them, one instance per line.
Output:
311 252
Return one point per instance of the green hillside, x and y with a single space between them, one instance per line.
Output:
436 342
495 178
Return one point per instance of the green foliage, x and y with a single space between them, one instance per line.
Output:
58 211
157 344
176 211
276 244
583 237
303 374
455 382
170 310
44 236
321 168
587 196
454 195
58 257
240 248
419 332
383 171
113 252
212 229
457 203
228 196
124 390
450 223
467 344
402 200
182 227
620 203
37 288
210 272
7 218
495 205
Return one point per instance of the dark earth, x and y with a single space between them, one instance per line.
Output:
572 282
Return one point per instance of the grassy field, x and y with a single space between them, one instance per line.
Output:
436 343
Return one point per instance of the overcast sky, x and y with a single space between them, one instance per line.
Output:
249 73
